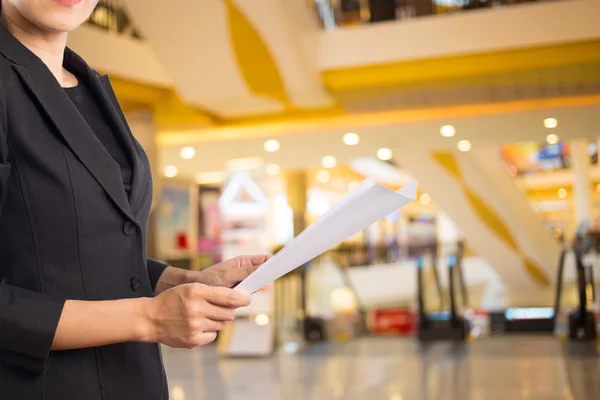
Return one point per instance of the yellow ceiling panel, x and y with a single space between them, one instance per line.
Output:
462 66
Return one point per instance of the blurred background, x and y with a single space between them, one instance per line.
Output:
259 115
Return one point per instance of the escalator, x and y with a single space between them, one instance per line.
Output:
581 321
442 324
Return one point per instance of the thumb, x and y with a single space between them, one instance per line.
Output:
239 274
259 259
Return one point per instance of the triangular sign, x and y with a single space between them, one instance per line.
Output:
243 196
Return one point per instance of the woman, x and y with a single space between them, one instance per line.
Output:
82 309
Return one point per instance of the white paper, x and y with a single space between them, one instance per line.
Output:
367 204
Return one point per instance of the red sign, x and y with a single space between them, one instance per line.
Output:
399 321
182 240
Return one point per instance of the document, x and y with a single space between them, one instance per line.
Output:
365 205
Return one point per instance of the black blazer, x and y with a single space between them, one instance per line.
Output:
67 231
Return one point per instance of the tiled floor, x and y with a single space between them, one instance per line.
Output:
503 368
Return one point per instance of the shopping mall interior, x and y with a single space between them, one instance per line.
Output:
259 116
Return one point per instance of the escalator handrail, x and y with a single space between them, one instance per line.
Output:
451 265
461 277
559 283
420 300
581 286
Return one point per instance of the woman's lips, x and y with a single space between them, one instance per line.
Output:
68 2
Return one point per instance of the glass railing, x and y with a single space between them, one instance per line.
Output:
343 13
112 16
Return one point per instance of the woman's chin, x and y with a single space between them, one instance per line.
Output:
59 23
57 18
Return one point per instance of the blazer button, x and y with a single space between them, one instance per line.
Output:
129 228
135 283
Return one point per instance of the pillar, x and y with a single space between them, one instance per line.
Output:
290 303
297 188
582 195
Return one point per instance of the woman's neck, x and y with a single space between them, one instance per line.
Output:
48 46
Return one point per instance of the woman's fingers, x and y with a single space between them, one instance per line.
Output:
225 297
218 313
213 326
201 339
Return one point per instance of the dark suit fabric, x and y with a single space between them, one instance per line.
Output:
68 231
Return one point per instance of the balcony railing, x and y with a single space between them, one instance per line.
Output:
112 16
336 13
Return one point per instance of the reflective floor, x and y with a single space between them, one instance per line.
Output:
503 368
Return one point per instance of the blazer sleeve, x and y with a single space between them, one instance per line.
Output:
155 270
28 319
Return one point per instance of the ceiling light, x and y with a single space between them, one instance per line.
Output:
354 184
272 145
384 154
328 162
447 131
351 139
323 176
187 153
425 199
171 171
464 145
562 193
262 320
177 392
550 123
552 138
273 169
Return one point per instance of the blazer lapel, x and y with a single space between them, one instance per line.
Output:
107 100
118 120
74 129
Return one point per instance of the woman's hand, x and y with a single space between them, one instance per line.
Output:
231 272
226 274
190 315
